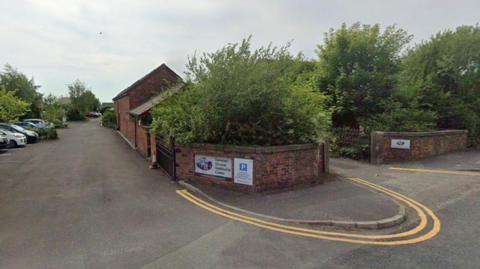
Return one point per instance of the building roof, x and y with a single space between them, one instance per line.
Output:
145 107
163 67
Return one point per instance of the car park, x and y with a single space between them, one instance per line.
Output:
31 136
14 139
3 141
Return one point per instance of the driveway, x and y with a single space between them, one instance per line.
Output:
88 200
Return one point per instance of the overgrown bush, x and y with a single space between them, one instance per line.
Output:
109 119
400 117
350 143
11 107
357 68
243 97
444 74
47 133
73 114
53 111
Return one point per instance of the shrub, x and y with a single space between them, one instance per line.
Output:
400 117
11 107
444 73
243 97
109 119
357 68
47 133
73 114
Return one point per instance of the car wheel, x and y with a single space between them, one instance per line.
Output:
13 144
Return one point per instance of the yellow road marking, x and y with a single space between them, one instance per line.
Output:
420 227
437 171
335 236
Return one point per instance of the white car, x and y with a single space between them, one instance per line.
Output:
3 141
14 139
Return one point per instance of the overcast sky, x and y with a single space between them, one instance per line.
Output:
57 42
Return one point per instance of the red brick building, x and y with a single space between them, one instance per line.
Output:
132 106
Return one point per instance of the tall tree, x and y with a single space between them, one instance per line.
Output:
82 100
357 66
11 107
23 87
443 74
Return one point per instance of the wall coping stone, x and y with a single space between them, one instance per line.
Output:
423 134
253 149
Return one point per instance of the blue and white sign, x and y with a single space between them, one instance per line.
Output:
400 144
243 171
213 166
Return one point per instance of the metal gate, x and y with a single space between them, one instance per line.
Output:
166 155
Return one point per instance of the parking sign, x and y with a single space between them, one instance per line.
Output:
243 171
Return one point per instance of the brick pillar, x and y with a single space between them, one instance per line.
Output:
376 147
153 147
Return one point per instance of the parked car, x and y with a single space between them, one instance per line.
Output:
93 114
27 125
14 139
40 123
3 141
31 136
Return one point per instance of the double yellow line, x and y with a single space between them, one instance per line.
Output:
436 171
423 212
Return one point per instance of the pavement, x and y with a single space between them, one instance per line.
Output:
87 200
337 201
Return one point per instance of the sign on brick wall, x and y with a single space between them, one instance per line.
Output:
243 171
213 166
400 144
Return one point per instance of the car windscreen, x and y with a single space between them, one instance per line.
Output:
18 128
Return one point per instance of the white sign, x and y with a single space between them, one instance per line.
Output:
400 144
213 166
243 171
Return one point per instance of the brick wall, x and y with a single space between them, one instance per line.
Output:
142 140
136 134
126 122
273 167
422 145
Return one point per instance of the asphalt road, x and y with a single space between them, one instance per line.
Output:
88 200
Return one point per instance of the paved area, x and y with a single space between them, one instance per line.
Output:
88 201
336 199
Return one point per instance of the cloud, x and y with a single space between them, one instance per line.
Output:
59 41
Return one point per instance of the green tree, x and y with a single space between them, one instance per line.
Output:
82 100
53 111
357 68
244 97
11 107
24 88
443 74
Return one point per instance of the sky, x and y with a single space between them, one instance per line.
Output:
110 44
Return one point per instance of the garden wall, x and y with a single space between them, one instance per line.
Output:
405 146
252 168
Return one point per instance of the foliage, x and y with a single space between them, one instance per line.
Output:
444 74
244 97
350 143
47 133
109 119
53 111
74 114
357 66
82 101
24 88
402 117
11 107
